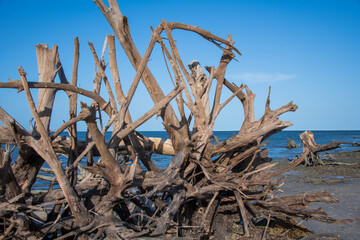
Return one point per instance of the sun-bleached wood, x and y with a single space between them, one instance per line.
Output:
120 192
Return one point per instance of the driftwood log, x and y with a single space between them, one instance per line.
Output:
122 199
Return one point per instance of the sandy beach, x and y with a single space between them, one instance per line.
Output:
341 180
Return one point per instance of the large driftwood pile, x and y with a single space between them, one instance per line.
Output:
120 199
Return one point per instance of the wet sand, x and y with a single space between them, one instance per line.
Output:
341 180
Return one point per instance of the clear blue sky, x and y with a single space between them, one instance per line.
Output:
307 50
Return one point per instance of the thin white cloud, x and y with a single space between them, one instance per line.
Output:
261 77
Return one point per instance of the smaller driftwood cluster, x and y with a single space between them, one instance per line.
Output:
115 197
310 155
292 144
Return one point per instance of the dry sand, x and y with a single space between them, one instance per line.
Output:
341 180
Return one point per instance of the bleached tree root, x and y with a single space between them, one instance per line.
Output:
122 199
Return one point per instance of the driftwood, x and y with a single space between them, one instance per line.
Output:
292 144
311 149
119 198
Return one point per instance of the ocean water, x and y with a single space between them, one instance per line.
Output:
277 146
278 142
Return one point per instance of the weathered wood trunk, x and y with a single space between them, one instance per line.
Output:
28 165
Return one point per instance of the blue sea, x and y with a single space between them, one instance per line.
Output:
278 142
277 146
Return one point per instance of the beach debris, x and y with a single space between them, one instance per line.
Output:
292 144
310 155
133 199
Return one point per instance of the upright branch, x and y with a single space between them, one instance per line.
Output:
44 148
29 162
120 25
104 77
46 59
73 111
124 103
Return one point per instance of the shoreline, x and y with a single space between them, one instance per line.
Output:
341 180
